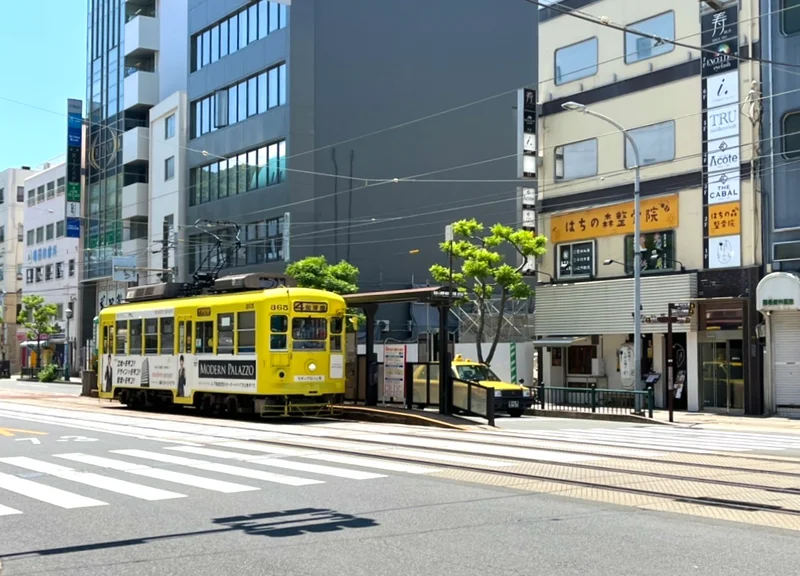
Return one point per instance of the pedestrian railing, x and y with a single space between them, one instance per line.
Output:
597 400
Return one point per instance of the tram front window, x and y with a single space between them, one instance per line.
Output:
309 333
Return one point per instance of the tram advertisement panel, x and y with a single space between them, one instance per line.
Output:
234 375
159 372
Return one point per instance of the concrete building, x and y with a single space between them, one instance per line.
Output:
136 57
12 205
51 259
292 109
689 115
779 291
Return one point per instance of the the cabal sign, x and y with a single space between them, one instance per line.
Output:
724 187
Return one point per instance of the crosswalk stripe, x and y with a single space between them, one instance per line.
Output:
339 458
48 494
91 479
221 468
288 465
159 474
265 448
6 511
631 442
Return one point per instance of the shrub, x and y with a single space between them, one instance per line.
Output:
49 373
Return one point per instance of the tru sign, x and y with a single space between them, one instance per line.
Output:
722 120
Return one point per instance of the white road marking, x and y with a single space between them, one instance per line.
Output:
6 511
43 493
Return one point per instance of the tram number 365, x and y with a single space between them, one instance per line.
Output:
281 307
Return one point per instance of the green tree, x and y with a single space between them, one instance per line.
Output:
38 318
316 272
484 274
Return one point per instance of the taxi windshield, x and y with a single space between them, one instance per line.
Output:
476 373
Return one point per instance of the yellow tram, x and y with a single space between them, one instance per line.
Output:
251 344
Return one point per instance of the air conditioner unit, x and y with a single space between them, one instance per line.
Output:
383 325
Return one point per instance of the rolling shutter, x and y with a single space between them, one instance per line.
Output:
785 340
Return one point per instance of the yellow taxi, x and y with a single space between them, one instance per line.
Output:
509 398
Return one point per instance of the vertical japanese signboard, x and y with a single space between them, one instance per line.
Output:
722 243
528 164
74 161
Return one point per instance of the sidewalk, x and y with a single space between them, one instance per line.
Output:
776 424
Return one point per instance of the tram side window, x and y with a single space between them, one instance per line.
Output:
136 337
122 336
336 334
309 333
204 338
151 336
246 332
167 336
278 327
106 341
225 334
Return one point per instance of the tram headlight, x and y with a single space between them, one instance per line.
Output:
312 367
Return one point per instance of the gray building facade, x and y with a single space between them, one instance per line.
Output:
338 98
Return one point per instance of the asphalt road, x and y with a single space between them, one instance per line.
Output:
54 388
224 521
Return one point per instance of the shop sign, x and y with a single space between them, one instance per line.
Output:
724 219
657 214
775 302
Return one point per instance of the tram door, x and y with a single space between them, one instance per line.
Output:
279 355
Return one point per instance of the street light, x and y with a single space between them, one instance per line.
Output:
637 255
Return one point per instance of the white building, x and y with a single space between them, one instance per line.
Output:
12 203
51 259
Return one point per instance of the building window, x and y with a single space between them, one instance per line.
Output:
60 186
71 268
791 134
20 194
576 160
60 229
169 168
40 234
59 312
169 127
237 31
656 144
262 243
40 194
658 251
20 232
31 197
48 272
29 276
31 237
50 232
576 61
38 274
59 270
251 170
639 48
2 195
576 260
51 190
2 233
790 17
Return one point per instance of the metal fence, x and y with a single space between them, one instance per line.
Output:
603 401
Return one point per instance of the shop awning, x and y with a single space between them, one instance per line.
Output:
559 342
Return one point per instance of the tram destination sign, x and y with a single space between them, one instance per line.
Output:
318 307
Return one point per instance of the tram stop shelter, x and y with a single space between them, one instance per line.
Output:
439 297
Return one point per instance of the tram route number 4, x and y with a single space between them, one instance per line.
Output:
61 439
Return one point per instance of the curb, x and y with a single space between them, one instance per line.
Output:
598 416
384 417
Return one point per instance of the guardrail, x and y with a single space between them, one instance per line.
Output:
602 400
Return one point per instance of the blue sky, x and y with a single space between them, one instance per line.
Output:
44 62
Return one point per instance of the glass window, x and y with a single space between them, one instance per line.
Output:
198 52
167 335
205 120
213 182
225 334
576 61
246 332
283 11
242 169
71 267
261 162
122 336
282 160
576 160
282 85
59 270
273 16
232 172
206 48
790 17
336 334
242 29
242 101
30 237
656 144
262 92
204 178
169 168
273 87
169 126
309 333
640 47
215 44
136 337
658 251
21 191
60 185
233 105
791 134
272 159
252 19
262 18
59 229
223 179
252 169
223 38
204 338
50 232
278 326
233 30
40 234
150 336
51 190
252 97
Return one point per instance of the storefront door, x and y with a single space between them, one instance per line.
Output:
722 371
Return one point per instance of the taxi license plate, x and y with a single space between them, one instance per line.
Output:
513 404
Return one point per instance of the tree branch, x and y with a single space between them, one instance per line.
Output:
500 316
